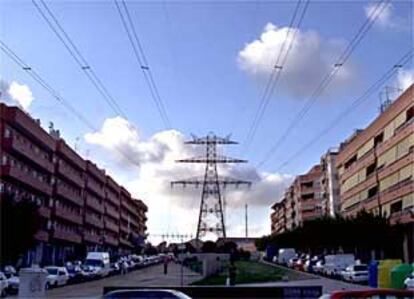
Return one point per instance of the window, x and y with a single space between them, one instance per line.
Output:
350 161
372 191
378 139
409 114
370 169
396 207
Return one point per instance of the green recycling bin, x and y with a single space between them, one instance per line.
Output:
398 274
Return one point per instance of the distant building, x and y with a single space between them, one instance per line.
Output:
330 184
247 244
80 207
302 201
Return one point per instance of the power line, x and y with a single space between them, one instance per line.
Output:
327 79
365 96
41 81
74 51
142 61
276 72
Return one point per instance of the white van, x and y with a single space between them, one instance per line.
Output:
285 254
98 264
336 263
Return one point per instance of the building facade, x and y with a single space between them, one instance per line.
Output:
80 207
301 202
330 183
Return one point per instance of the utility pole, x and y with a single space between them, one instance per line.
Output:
211 217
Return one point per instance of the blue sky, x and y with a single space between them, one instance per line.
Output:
193 49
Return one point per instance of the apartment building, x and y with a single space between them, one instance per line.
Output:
376 166
302 201
80 207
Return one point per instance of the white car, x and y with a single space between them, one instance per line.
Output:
4 284
57 276
318 268
409 282
13 282
356 273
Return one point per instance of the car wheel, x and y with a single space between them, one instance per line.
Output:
47 286
3 293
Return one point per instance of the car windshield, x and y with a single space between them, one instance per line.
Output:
93 263
208 144
52 271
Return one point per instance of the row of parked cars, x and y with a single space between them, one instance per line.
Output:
96 265
339 266
343 266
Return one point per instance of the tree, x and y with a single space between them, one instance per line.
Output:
150 250
19 224
209 247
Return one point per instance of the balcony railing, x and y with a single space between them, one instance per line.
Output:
67 235
111 240
109 225
44 211
68 215
95 187
24 149
111 212
69 194
70 174
94 204
26 178
404 216
92 238
113 198
93 221
42 235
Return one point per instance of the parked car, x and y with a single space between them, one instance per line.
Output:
409 282
291 262
369 293
309 265
75 273
319 267
57 276
4 285
9 270
98 263
355 273
285 254
13 282
146 293
115 268
299 264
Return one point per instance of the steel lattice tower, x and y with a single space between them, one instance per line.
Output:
211 196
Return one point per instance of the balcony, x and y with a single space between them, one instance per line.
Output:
94 204
111 240
93 221
66 235
70 154
92 238
125 242
69 194
44 212
114 199
95 187
126 205
42 235
71 174
24 149
111 212
109 225
25 178
404 216
68 215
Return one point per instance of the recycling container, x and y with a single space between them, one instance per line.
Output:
398 274
384 271
373 274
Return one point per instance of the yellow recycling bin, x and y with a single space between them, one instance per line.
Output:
384 272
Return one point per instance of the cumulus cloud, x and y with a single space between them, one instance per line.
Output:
382 12
310 58
405 78
16 93
177 209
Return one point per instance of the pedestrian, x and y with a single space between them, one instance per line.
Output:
166 261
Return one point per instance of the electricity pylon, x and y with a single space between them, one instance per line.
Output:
210 217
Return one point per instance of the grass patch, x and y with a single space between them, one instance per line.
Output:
247 272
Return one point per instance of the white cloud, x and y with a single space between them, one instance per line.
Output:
382 12
176 210
310 58
405 78
15 93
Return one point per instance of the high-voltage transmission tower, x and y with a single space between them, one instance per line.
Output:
211 217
